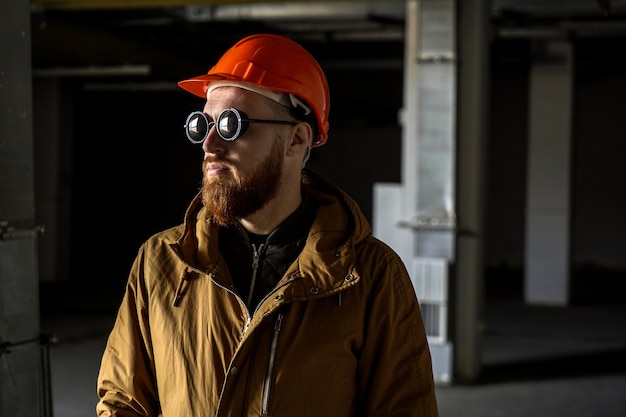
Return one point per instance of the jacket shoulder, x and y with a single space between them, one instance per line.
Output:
371 246
165 237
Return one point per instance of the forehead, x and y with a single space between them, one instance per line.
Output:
250 102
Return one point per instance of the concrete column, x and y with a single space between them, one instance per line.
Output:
547 255
472 110
21 389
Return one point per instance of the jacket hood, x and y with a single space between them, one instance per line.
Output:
338 213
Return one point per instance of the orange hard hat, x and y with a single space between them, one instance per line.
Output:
274 63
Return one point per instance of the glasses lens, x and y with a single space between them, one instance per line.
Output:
197 127
229 124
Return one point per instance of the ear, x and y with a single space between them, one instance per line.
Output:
300 139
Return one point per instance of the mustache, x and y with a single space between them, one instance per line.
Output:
211 159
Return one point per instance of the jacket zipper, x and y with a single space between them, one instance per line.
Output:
270 368
248 315
256 254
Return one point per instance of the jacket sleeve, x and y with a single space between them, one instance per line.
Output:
395 364
126 384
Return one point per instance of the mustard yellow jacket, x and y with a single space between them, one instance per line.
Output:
341 335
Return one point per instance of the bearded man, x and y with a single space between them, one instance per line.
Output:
273 298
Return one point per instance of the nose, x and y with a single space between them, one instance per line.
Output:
213 143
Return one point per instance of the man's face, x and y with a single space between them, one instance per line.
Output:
239 177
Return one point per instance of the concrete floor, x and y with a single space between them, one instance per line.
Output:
538 361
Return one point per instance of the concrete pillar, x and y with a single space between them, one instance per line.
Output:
21 389
547 254
472 110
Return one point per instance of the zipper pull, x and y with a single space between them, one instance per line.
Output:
256 254
279 322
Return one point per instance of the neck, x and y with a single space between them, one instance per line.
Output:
273 213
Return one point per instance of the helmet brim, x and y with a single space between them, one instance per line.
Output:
200 85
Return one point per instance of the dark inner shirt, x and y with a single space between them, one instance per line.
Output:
277 252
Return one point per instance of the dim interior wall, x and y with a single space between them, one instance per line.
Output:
598 169
134 173
599 224
507 153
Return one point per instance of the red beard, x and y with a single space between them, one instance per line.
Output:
234 197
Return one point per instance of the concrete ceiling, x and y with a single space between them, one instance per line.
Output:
157 41
153 40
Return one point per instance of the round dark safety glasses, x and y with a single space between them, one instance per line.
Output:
231 124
